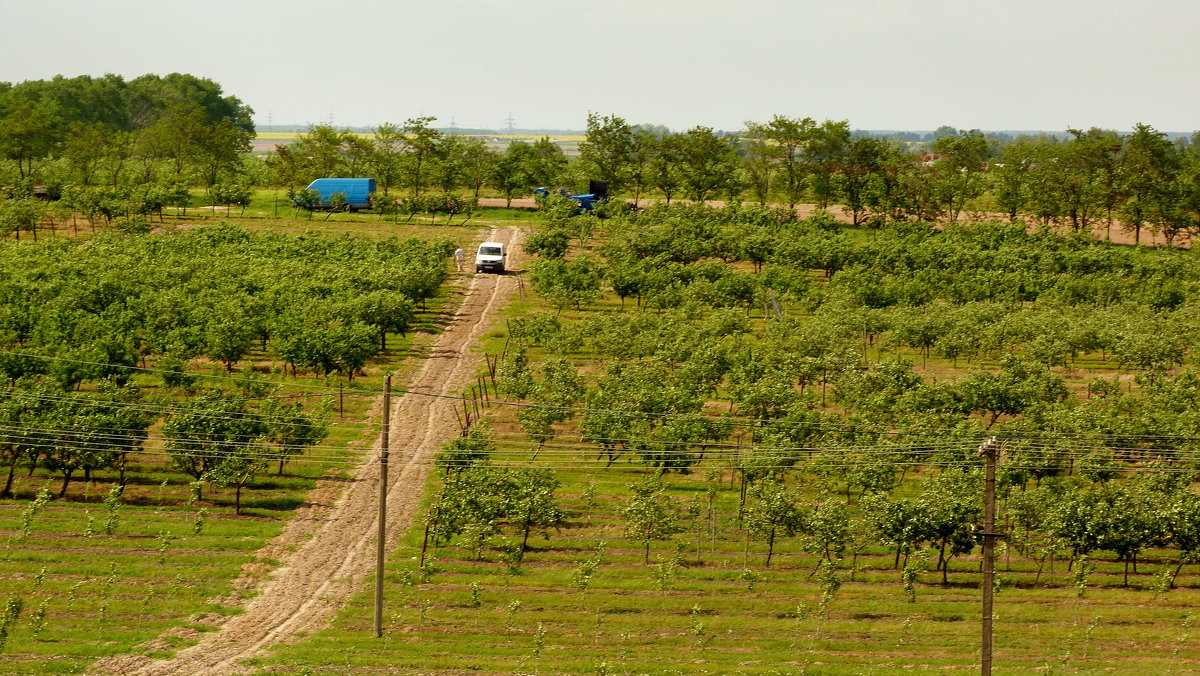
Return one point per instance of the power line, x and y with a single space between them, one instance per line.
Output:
729 422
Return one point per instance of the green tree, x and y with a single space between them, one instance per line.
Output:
858 181
567 283
510 173
29 131
387 311
650 515
315 154
963 160
229 338
786 139
476 161
1147 166
214 437
532 502
608 150
1088 174
949 506
290 429
708 164
1012 390
22 214
1012 174
553 397
420 142
772 511
385 160
470 449
827 530
547 163
665 165
219 146
826 155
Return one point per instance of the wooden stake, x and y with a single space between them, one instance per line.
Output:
383 485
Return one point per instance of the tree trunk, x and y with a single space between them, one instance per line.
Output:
12 468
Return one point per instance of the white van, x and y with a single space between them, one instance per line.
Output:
490 257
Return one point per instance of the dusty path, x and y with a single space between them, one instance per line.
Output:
338 550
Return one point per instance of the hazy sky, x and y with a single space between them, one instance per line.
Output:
881 64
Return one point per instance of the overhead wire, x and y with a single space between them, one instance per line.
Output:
1028 442
718 421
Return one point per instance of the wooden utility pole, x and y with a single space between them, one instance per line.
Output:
989 451
383 485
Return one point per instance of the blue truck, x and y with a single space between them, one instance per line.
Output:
357 192
597 194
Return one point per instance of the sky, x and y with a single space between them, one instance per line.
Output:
545 64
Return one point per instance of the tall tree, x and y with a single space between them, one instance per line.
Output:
29 131
476 162
785 139
1147 167
858 181
664 170
826 153
1087 169
607 152
385 161
963 160
420 142
709 163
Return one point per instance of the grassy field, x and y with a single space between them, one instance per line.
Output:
706 604
148 573
581 601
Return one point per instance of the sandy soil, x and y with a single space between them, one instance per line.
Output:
328 550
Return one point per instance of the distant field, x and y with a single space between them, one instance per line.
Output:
289 135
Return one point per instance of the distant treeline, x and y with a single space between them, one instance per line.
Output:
111 127
181 130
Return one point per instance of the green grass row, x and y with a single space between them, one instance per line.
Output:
713 607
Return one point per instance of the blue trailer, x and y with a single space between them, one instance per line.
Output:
357 192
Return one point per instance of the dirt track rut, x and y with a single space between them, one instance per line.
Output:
335 537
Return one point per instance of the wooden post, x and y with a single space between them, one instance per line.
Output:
383 485
989 452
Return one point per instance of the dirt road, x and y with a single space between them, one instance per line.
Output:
334 539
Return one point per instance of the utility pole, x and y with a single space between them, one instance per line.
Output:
988 450
383 484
